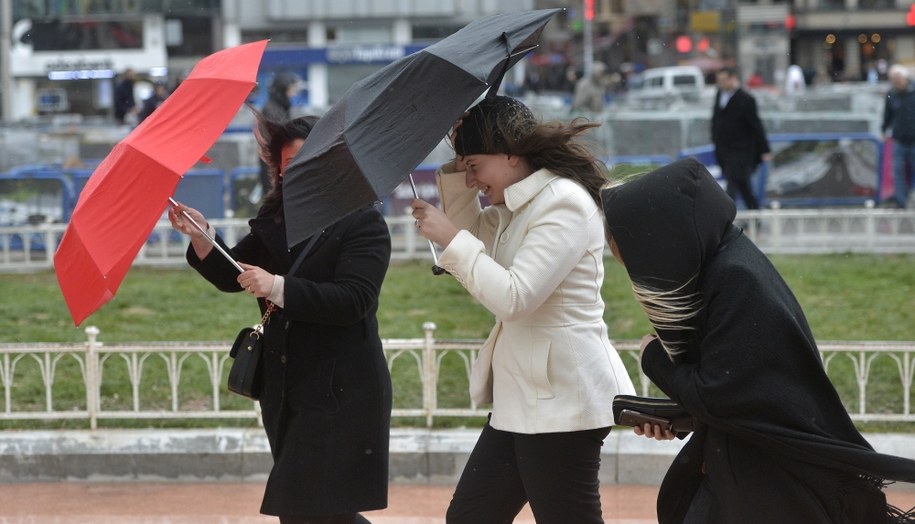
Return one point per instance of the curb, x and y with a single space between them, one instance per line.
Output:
417 456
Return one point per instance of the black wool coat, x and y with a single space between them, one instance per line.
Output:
774 443
326 392
738 135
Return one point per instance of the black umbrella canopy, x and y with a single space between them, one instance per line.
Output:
387 123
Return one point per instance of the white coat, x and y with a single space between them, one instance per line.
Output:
536 262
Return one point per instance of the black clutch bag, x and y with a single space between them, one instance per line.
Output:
632 410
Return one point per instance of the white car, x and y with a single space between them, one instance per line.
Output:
666 85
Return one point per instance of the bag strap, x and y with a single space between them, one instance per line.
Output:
271 307
304 253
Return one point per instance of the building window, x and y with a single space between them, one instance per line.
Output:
84 35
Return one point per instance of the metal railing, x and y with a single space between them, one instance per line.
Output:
794 231
186 380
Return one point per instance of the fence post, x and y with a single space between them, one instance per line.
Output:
870 225
776 224
50 245
907 383
92 372
430 374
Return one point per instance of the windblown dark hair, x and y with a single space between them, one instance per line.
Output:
504 125
271 137
556 146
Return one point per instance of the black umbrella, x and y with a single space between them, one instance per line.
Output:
387 123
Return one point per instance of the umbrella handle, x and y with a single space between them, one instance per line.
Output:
208 237
436 269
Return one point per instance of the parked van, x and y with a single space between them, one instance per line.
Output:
664 85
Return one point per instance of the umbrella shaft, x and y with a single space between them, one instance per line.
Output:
431 245
209 238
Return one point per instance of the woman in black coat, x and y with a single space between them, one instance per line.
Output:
326 390
774 443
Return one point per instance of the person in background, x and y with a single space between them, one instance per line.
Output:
326 390
738 136
124 101
159 94
279 96
756 80
590 90
899 123
774 442
534 258
794 80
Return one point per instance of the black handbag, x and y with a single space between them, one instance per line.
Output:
632 410
247 351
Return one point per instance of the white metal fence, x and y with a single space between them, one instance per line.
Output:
797 231
95 381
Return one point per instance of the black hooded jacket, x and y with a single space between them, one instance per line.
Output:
774 440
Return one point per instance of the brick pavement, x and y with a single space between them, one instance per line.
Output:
237 503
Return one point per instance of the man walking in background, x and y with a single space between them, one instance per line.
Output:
899 122
124 101
738 136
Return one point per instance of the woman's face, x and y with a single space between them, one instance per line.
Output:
491 174
288 151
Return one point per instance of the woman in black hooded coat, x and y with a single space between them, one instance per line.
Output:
774 443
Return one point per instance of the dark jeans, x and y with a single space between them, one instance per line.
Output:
745 189
555 472
903 164
352 518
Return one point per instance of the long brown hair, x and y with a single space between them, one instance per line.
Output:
556 146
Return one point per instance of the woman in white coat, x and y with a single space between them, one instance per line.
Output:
534 258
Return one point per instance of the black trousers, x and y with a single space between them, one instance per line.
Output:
739 175
555 472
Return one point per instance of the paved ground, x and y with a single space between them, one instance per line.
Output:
225 503
237 503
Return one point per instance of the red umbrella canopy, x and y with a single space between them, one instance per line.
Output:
128 192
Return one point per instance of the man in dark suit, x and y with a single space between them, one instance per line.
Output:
738 136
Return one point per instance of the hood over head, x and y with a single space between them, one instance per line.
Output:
667 223
281 83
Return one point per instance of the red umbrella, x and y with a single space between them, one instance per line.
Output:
129 190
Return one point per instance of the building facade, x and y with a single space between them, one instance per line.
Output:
66 55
